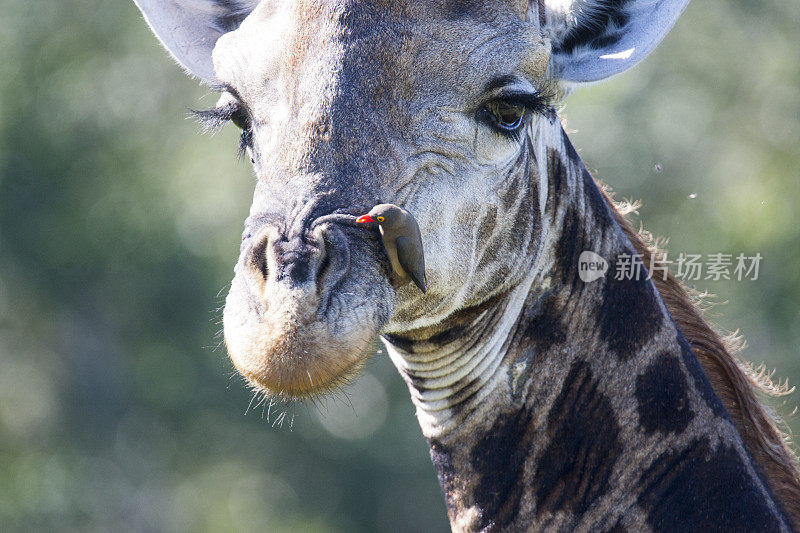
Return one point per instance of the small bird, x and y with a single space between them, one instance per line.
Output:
401 240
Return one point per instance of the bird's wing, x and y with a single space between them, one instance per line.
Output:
412 259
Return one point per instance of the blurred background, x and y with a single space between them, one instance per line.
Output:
120 225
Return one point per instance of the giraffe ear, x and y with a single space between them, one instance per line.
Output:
594 39
189 29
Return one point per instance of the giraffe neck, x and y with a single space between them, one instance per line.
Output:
570 405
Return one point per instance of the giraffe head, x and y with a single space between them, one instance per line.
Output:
444 107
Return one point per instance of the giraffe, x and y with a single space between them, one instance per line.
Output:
549 403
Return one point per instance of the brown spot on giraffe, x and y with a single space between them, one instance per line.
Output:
662 395
703 489
584 446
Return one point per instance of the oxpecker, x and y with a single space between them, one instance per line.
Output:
402 241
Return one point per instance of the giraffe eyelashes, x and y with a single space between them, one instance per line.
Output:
213 119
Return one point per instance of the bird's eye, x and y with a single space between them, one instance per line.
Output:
505 115
380 219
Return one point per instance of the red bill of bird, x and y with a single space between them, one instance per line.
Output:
402 242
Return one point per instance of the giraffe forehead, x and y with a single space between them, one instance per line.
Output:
379 53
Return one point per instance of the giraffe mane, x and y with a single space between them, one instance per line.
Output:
738 384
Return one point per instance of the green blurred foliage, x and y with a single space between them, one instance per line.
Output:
120 224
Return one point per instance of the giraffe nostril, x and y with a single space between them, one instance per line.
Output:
323 269
258 259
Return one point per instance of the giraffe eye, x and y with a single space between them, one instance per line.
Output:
240 119
505 115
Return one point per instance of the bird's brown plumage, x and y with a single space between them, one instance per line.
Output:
402 242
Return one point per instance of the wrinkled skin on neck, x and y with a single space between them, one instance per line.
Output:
376 116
